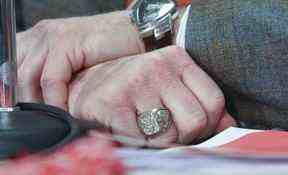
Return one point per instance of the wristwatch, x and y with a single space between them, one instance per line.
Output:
154 20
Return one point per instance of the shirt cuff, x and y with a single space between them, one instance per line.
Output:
180 38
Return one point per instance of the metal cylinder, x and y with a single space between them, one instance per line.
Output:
8 64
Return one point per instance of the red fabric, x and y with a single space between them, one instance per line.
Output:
127 2
182 3
90 156
266 143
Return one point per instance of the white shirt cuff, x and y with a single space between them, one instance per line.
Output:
180 40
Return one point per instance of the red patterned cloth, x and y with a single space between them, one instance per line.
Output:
89 156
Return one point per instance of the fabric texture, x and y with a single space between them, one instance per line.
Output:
243 45
29 12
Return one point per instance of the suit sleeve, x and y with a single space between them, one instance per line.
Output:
243 45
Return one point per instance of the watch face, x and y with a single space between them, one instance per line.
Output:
151 10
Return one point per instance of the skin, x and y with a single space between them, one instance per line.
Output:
163 78
94 67
55 50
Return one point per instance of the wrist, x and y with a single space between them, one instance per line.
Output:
117 29
133 31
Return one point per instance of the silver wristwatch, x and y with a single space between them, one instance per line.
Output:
154 20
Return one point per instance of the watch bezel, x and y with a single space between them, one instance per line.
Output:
147 29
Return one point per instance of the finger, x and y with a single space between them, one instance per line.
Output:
55 78
123 122
119 115
226 122
189 117
208 93
75 89
148 102
29 74
165 140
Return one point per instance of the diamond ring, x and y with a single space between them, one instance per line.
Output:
154 122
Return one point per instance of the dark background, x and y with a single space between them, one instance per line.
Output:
29 12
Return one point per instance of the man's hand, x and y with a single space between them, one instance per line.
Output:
113 93
52 51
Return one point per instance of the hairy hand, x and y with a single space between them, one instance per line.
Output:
52 51
113 93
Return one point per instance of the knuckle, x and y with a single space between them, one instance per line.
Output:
43 26
175 49
184 58
162 75
157 58
50 27
158 63
201 122
154 68
174 56
192 129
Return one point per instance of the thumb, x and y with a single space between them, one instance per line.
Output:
55 79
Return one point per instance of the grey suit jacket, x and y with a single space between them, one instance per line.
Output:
243 45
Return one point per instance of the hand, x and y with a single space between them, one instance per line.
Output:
52 51
113 93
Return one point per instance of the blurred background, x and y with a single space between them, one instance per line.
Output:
29 12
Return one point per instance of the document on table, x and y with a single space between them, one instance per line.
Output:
234 151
